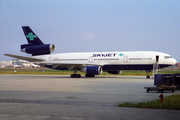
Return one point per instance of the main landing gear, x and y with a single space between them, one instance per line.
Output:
75 75
78 75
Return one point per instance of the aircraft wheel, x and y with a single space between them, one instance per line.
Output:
162 91
92 75
88 75
72 75
75 75
148 76
147 90
78 75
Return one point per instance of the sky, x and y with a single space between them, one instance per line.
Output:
92 25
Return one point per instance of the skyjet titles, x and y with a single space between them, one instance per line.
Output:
105 55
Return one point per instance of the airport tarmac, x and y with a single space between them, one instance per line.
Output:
59 97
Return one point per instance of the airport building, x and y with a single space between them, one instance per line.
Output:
23 63
5 63
20 62
178 65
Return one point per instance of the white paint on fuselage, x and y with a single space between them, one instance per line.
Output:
109 58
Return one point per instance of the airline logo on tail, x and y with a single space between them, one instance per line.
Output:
31 36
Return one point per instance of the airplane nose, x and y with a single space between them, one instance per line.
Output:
174 61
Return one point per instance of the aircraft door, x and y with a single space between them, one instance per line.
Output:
125 59
157 58
50 59
90 59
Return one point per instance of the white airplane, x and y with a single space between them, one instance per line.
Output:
16 66
34 66
92 63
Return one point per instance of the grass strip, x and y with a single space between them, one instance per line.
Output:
46 71
169 102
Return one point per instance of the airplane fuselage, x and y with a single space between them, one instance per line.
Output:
110 61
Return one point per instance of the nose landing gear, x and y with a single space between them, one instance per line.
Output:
148 76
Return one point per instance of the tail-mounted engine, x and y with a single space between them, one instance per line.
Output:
38 49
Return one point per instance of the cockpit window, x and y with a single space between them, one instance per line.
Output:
167 57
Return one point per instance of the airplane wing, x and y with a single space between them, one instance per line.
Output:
42 62
30 59
69 64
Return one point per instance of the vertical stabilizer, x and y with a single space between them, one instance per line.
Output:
31 37
35 46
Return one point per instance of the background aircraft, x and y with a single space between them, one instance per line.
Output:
34 66
16 66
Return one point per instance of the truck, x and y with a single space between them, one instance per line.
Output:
163 82
177 80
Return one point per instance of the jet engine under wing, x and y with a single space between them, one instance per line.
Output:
30 59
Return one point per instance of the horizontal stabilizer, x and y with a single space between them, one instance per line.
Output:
30 59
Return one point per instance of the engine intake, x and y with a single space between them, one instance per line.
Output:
38 49
92 70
